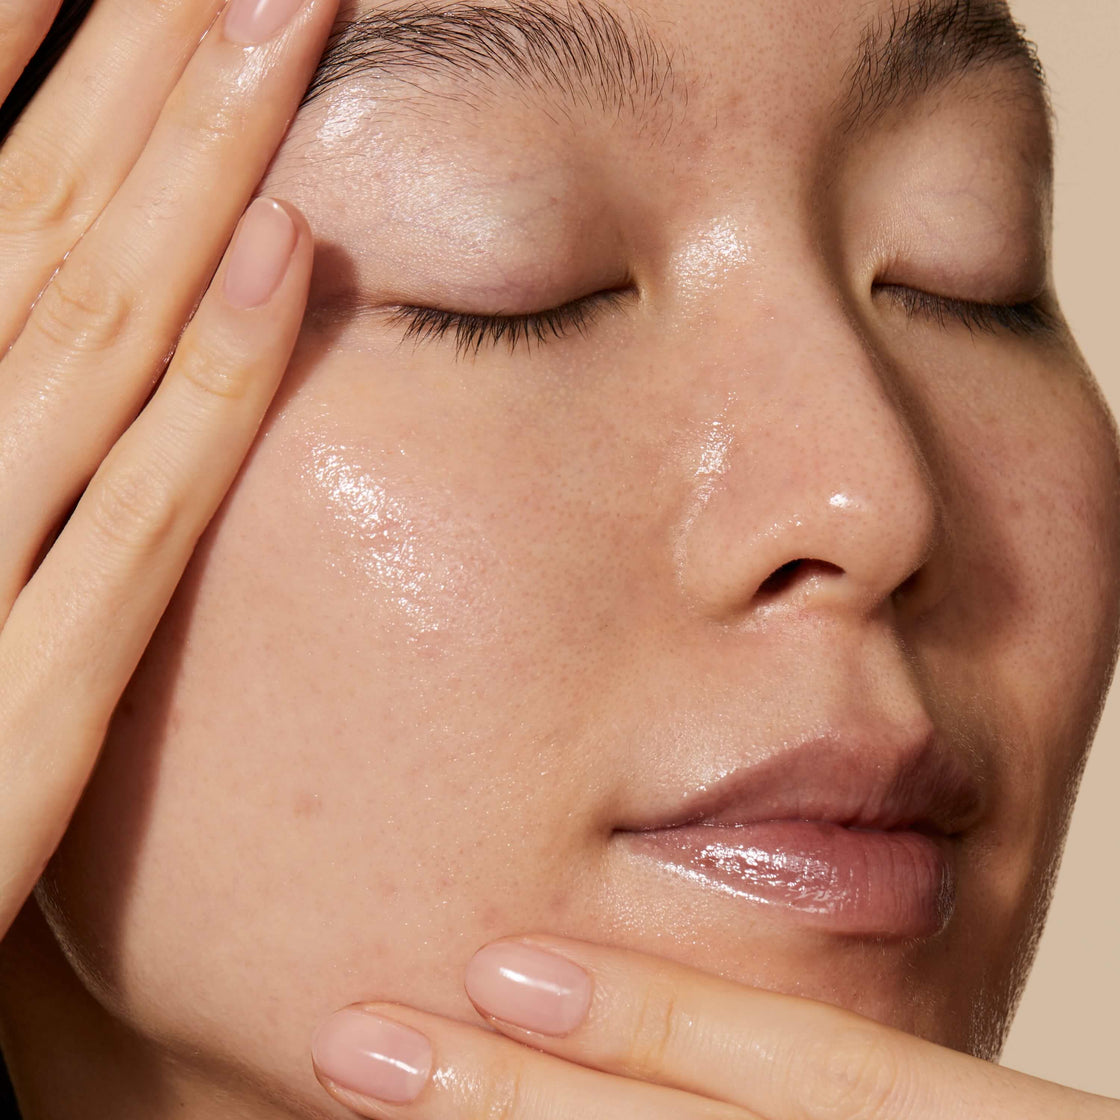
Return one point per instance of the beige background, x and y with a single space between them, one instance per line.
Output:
1068 1027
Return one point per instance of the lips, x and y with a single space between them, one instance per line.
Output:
858 837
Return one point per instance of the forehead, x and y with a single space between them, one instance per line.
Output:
643 60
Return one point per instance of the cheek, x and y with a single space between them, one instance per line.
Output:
355 700
1053 563
1025 645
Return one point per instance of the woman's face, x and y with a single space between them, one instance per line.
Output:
479 611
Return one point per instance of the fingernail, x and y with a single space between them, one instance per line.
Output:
260 254
529 988
372 1056
249 22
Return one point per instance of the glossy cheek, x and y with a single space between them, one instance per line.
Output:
382 544
349 703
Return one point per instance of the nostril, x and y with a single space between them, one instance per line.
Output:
782 578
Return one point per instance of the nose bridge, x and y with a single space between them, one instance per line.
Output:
819 472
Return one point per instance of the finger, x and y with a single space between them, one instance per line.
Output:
78 629
782 1057
23 26
97 338
390 1062
83 131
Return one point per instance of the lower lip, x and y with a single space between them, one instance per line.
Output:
861 883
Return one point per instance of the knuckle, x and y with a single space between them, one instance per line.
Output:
204 126
135 509
38 190
856 1075
503 1095
165 202
214 372
214 131
657 1023
83 310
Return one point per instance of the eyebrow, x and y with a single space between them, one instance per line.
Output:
587 53
926 45
580 50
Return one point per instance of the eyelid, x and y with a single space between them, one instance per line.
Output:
1024 318
473 330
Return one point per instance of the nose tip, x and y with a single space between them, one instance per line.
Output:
837 509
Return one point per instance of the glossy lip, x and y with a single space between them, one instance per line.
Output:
856 838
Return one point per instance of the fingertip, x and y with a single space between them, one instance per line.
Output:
260 254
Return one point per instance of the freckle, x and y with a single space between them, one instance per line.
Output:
561 904
491 916
307 805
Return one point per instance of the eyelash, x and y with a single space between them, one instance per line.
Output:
1021 319
472 331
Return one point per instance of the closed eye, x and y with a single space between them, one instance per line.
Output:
1027 318
472 332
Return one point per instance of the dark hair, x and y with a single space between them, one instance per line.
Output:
66 23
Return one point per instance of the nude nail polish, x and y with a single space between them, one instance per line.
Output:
249 22
374 1057
529 988
260 254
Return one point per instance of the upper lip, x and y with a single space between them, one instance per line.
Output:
853 781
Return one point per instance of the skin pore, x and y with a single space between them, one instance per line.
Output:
474 610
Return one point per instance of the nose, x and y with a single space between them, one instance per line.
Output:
811 488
